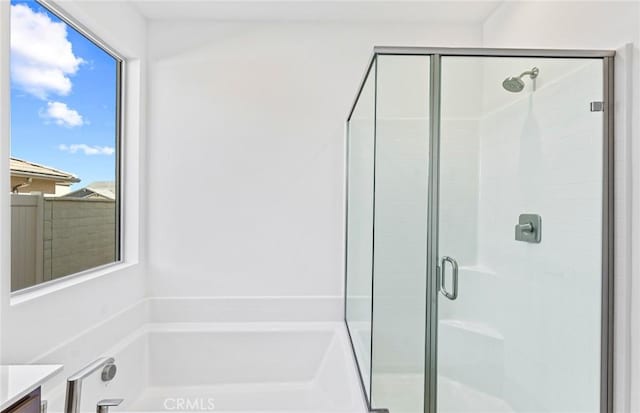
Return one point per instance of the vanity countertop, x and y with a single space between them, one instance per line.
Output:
16 381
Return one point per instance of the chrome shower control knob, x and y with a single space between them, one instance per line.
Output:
528 227
109 372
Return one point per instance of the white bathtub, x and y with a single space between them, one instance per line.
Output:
224 367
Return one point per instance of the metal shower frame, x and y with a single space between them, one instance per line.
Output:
607 290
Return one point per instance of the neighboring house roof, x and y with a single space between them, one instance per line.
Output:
99 189
20 167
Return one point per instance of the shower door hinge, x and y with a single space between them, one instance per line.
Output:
597 106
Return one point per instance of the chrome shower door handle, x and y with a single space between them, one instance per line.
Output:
454 280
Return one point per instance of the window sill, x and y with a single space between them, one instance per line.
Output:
49 287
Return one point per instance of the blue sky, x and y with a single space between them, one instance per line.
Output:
63 96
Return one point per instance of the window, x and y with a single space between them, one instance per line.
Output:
65 148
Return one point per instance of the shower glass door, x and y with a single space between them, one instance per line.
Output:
359 234
520 234
400 223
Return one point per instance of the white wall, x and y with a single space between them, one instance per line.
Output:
246 151
598 25
35 324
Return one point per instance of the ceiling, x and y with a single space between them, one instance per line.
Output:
318 10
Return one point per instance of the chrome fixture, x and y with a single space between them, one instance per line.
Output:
108 372
103 405
515 84
74 382
529 228
443 288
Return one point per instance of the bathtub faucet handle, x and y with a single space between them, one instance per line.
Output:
103 405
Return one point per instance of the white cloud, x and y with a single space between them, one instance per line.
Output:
62 115
42 57
87 149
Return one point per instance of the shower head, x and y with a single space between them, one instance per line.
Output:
515 84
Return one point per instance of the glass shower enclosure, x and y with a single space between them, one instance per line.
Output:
479 230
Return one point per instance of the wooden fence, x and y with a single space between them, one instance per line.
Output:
54 237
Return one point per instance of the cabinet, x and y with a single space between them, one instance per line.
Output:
28 404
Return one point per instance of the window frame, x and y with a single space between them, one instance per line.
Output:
25 293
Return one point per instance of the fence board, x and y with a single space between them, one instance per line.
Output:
27 216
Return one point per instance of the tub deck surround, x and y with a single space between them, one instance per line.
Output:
16 381
245 309
98 339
